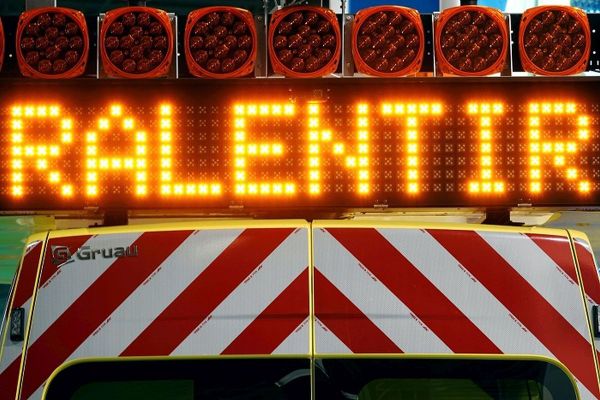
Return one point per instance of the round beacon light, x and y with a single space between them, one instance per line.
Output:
388 41
136 42
304 41
52 43
220 42
554 40
471 41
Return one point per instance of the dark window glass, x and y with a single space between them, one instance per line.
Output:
443 379
226 379
139 389
289 379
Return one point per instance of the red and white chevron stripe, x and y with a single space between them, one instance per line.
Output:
246 291
393 290
12 352
214 291
590 278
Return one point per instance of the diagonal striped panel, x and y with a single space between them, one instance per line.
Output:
559 250
95 304
519 291
51 270
477 303
589 270
297 341
276 322
542 273
591 280
229 327
430 305
365 293
520 295
328 340
150 298
247 290
165 333
21 298
346 322
60 287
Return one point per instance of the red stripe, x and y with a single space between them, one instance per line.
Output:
276 322
523 301
50 268
347 321
207 291
559 250
589 273
27 276
9 379
99 300
403 279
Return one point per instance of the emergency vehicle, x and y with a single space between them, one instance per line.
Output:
273 238
280 309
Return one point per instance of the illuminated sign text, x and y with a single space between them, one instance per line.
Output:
365 150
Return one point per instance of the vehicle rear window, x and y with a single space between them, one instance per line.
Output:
224 378
136 389
334 378
465 379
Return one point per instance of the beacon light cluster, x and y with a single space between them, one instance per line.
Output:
471 40
136 42
554 40
52 43
302 42
220 42
388 41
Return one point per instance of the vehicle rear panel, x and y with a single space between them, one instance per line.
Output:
11 352
435 290
589 276
217 288
330 289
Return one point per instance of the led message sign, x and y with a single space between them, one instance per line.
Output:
326 143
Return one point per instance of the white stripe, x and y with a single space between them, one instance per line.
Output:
297 340
373 298
464 291
327 342
151 298
72 281
541 272
37 395
585 394
249 299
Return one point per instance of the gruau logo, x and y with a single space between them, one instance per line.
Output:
62 255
